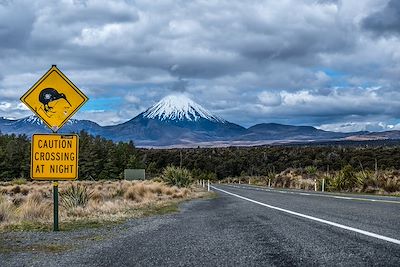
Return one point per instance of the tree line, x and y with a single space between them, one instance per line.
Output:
100 158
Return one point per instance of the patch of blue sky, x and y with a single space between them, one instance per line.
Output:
339 79
332 73
109 103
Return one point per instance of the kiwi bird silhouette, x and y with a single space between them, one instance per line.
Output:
50 94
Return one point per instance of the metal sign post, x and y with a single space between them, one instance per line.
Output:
55 206
54 99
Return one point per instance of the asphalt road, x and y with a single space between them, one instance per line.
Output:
253 227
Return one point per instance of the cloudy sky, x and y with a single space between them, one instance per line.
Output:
334 64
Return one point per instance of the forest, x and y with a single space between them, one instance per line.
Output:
101 159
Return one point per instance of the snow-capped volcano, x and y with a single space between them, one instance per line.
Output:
178 108
175 119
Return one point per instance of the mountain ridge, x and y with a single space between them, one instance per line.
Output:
179 121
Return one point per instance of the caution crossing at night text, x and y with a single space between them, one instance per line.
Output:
54 157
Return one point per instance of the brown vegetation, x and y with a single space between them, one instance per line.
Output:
347 180
92 201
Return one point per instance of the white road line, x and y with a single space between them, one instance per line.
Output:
320 195
346 197
385 238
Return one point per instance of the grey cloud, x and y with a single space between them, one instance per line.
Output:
15 27
5 2
96 14
206 68
328 2
223 53
273 35
80 2
385 21
212 48
179 86
314 108
353 126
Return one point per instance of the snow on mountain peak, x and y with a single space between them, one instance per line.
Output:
179 107
33 119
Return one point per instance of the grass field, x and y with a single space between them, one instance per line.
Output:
29 205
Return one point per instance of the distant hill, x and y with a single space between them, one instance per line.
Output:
32 124
375 136
274 131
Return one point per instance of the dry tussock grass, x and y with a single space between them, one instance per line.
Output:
385 182
109 200
35 207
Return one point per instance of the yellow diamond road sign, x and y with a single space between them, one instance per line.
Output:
54 157
54 98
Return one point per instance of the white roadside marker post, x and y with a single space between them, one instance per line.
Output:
323 185
315 185
208 185
269 182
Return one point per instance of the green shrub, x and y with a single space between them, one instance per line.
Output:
75 196
207 176
366 179
19 181
346 179
176 176
391 185
311 170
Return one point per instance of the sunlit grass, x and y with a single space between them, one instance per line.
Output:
86 204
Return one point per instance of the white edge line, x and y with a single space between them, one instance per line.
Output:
320 195
385 238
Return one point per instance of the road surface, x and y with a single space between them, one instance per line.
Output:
244 226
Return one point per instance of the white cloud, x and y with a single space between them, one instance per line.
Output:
375 126
246 60
5 106
132 99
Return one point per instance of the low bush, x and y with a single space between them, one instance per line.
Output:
19 181
35 208
6 209
176 176
75 196
135 193
345 180
16 189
